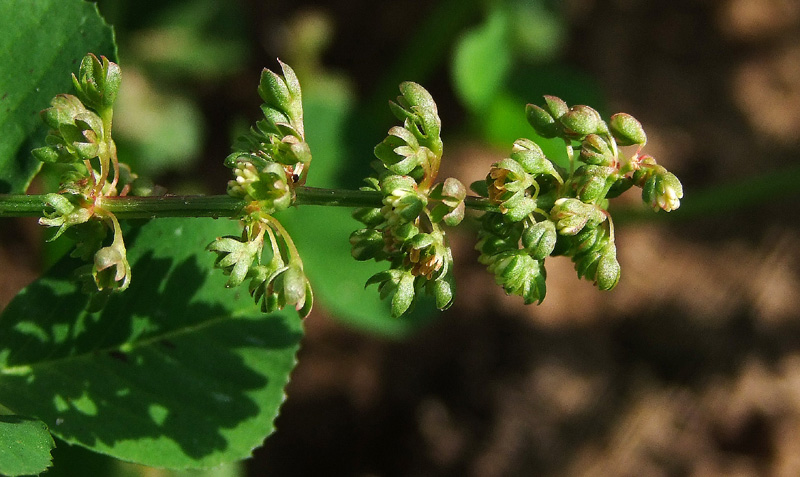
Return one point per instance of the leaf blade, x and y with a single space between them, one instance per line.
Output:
176 372
25 445
35 71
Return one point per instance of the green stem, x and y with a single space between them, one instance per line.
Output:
204 205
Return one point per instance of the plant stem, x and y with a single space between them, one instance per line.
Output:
203 205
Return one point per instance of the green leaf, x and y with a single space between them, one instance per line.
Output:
482 61
41 43
25 445
176 372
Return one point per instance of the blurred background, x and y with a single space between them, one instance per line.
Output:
691 366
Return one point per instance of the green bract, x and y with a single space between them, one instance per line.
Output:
97 83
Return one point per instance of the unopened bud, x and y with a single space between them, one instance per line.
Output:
540 239
627 130
580 121
542 122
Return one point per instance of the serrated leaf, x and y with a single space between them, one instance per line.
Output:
176 372
25 445
41 43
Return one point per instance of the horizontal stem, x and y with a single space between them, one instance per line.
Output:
203 205
338 197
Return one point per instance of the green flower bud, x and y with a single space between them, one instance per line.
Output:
556 106
366 244
97 83
595 150
608 269
492 245
572 215
451 193
402 202
369 216
580 121
400 285
533 161
593 182
65 108
53 154
283 103
496 224
68 211
404 231
627 130
543 122
235 257
662 190
519 274
518 207
401 153
442 291
590 238
540 239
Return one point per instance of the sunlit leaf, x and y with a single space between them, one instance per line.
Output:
176 372
41 42
25 445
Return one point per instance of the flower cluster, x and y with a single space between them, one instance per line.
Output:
273 158
268 164
80 138
407 230
276 276
534 207
544 209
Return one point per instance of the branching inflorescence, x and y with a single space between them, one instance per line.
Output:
533 207
80 138
270 162
546 210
